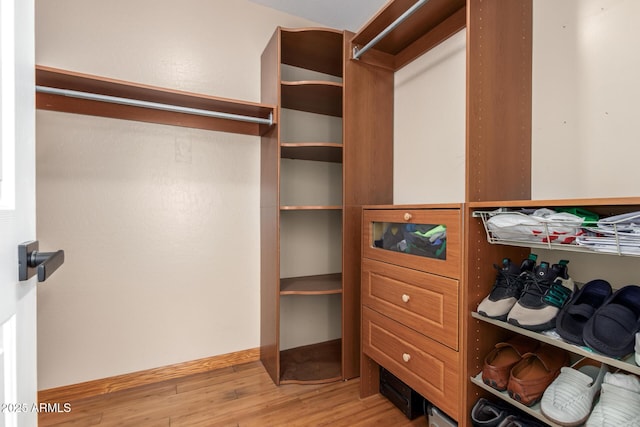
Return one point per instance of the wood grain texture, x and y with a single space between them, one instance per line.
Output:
318 151
318 49
368 179
270 216
430 303
141 378
312 364
324 284
426 366
351 255
367 134
311 208
445 29
425 20
242 395
313 97
615 205
63 79
499 58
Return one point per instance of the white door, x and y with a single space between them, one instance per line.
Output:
18 386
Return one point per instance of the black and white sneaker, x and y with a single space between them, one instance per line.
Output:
506 289
546 291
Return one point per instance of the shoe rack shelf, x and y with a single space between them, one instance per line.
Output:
483 332
627 364
533 410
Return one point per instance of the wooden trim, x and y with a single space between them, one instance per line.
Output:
270 215
149 376
310 207
585 202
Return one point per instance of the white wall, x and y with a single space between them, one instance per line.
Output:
585 113
160 224
585 98
429 126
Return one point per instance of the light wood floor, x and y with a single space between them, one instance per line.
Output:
242 395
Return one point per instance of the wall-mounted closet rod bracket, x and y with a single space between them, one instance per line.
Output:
154 105
357 53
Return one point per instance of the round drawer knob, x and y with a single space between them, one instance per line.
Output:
407 216
405 298
406 357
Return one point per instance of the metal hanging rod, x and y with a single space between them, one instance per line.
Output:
357 53
154 105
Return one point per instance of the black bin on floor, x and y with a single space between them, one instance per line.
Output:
404 397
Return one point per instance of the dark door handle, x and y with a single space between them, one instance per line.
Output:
31 261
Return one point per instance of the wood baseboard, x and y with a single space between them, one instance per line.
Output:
150 376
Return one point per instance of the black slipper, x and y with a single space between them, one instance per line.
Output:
612 328
573 316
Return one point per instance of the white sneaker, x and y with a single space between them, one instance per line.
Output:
569 398
619 403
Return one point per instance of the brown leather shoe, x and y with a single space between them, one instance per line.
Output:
498 363
533 374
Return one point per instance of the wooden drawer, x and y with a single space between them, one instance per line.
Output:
377 224
424 302
428 367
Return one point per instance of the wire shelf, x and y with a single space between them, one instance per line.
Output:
617 235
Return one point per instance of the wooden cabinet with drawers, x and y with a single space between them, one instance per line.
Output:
411 271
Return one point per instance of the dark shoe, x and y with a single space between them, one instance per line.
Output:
546 290
506 289
532 375
612 328
575 314
498 363
489 414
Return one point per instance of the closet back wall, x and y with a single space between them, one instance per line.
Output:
160 224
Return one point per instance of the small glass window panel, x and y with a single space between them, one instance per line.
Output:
426 240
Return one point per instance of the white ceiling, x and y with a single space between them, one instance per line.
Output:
338 14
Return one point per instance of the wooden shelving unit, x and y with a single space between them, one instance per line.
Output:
483 333
359 96
498 127
80 82
311 52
